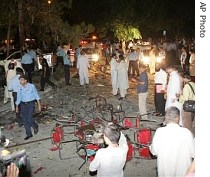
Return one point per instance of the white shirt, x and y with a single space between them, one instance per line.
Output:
174 86
173 46
114 64
132 56
161 77
183 56
110 161
174 147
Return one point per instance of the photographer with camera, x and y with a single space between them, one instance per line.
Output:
12 171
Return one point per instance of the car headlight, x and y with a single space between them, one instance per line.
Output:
95 57
146 60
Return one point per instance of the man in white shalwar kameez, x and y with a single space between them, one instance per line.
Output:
82 66
173 145
114 64
174 87
122 77
10 73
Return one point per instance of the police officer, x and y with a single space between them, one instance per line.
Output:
14 87
46 75
27 63
33 56
66 63
26 98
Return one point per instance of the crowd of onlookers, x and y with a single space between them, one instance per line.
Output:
173 143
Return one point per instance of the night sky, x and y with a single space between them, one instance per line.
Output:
151 16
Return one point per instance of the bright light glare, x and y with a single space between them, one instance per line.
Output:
146 60
49 1
95 57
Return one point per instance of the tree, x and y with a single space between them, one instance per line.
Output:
8 22
125 33
47 23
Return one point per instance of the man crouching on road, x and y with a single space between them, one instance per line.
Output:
111 160
26 97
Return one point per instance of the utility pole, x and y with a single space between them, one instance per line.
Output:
21 23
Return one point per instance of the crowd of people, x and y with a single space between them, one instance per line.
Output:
173 159
177 87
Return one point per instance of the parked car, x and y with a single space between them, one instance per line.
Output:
92 54
16 56
2 76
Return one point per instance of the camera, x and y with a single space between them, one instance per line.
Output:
20 159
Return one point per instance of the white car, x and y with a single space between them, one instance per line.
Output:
92 54
17 56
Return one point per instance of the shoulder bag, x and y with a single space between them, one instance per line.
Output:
189 105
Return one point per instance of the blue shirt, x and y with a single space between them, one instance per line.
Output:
63 54
132 56
32 53
28 93
143 78
77 52
26 59
14 85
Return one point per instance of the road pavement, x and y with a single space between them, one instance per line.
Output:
63 101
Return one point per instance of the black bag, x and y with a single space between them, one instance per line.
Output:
189 105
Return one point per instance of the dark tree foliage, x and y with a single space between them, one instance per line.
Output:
71 19
177 17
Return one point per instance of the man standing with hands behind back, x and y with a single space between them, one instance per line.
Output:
143 91
26 98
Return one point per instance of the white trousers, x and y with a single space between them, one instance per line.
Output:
143 104
114 91
84 79
123 92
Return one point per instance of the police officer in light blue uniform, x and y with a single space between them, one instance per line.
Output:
33 56
14 87
66 63
27 63
26 98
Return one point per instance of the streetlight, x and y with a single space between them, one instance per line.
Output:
49 1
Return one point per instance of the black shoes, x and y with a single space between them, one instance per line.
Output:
41 90
162 125
121 98
158 114
27 137
68 84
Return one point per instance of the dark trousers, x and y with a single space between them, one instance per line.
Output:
184 67
26 110
28 70
193 79
67 73
133 65
18 117
45 80
159 101
59 61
